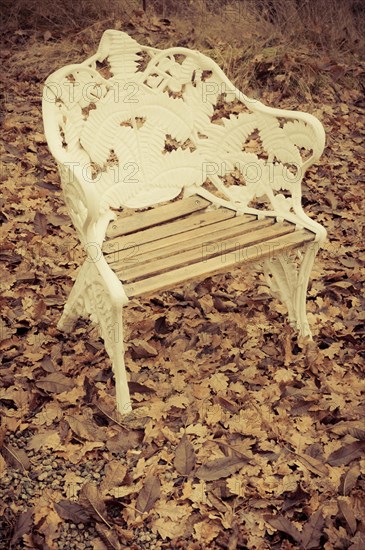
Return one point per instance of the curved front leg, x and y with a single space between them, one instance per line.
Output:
302 287
115 348
108 314
99 295
74 307
104 300
290 284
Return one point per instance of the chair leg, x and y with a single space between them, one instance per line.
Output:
123 399
301 292
107 312
91 297
74 307
111 327
290 284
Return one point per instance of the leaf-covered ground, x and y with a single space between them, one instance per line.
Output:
240 437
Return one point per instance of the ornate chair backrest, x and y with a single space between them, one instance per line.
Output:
142 124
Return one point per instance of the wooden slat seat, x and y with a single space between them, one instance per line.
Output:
168 245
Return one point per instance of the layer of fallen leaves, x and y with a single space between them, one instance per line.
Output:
240 437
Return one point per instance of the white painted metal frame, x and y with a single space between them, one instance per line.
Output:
108 135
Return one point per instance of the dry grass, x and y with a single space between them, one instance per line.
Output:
296 47
291 45
326 24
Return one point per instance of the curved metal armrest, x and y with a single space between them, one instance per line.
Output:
80 197
315 127
112 285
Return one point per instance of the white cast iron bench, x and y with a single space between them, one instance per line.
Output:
171 174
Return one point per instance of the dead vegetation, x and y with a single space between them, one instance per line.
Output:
294 46
241 437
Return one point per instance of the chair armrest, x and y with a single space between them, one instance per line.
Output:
80 193
303 129
308 127
312 129
80 198
113 290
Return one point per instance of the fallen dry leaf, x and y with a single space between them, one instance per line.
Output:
46 520
91 499
356 428
348 514
108 536
185 458
313 464
55 382
347 453
86 429
72 511
124 440
349 480
143 349
23 526
220 468
49 439
281 523
149 494
40 223
115 473
15 457
312 531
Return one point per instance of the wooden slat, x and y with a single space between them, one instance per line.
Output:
178 244
163 247
203 250
125 225
194 221
217 265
